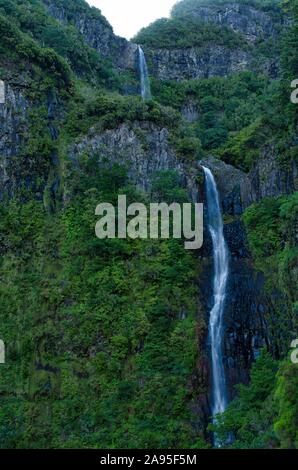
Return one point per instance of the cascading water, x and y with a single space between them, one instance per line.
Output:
221 273
145 82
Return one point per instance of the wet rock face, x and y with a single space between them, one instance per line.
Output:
233 186
21 170
193 63
246 331
13 113
251 22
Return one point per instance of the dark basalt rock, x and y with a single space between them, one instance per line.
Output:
253 23
245 325
18 170
196 62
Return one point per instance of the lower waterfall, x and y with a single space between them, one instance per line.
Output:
221 274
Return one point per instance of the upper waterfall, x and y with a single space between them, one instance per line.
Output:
145 81
221 273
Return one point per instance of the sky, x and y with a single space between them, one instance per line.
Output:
128 16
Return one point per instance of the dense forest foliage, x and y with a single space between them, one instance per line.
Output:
95 340
185 32
103 342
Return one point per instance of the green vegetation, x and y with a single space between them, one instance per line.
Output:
189 7
230 113
31 18
104 343
101 335
187 32
248 421
17 46
264 414
272 228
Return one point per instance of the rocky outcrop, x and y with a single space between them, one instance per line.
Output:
190 111
97 33
193 63
143 148
271 178
247 308
268 178
13 113
23 170
233 186
253 23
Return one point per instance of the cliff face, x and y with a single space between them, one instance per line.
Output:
29 163
144 149
12 125
206 61
253 23
271 177
245 325
210 59
192 63
97 33
28 131
249 307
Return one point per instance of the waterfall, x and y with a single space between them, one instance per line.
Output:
221 273
145 82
